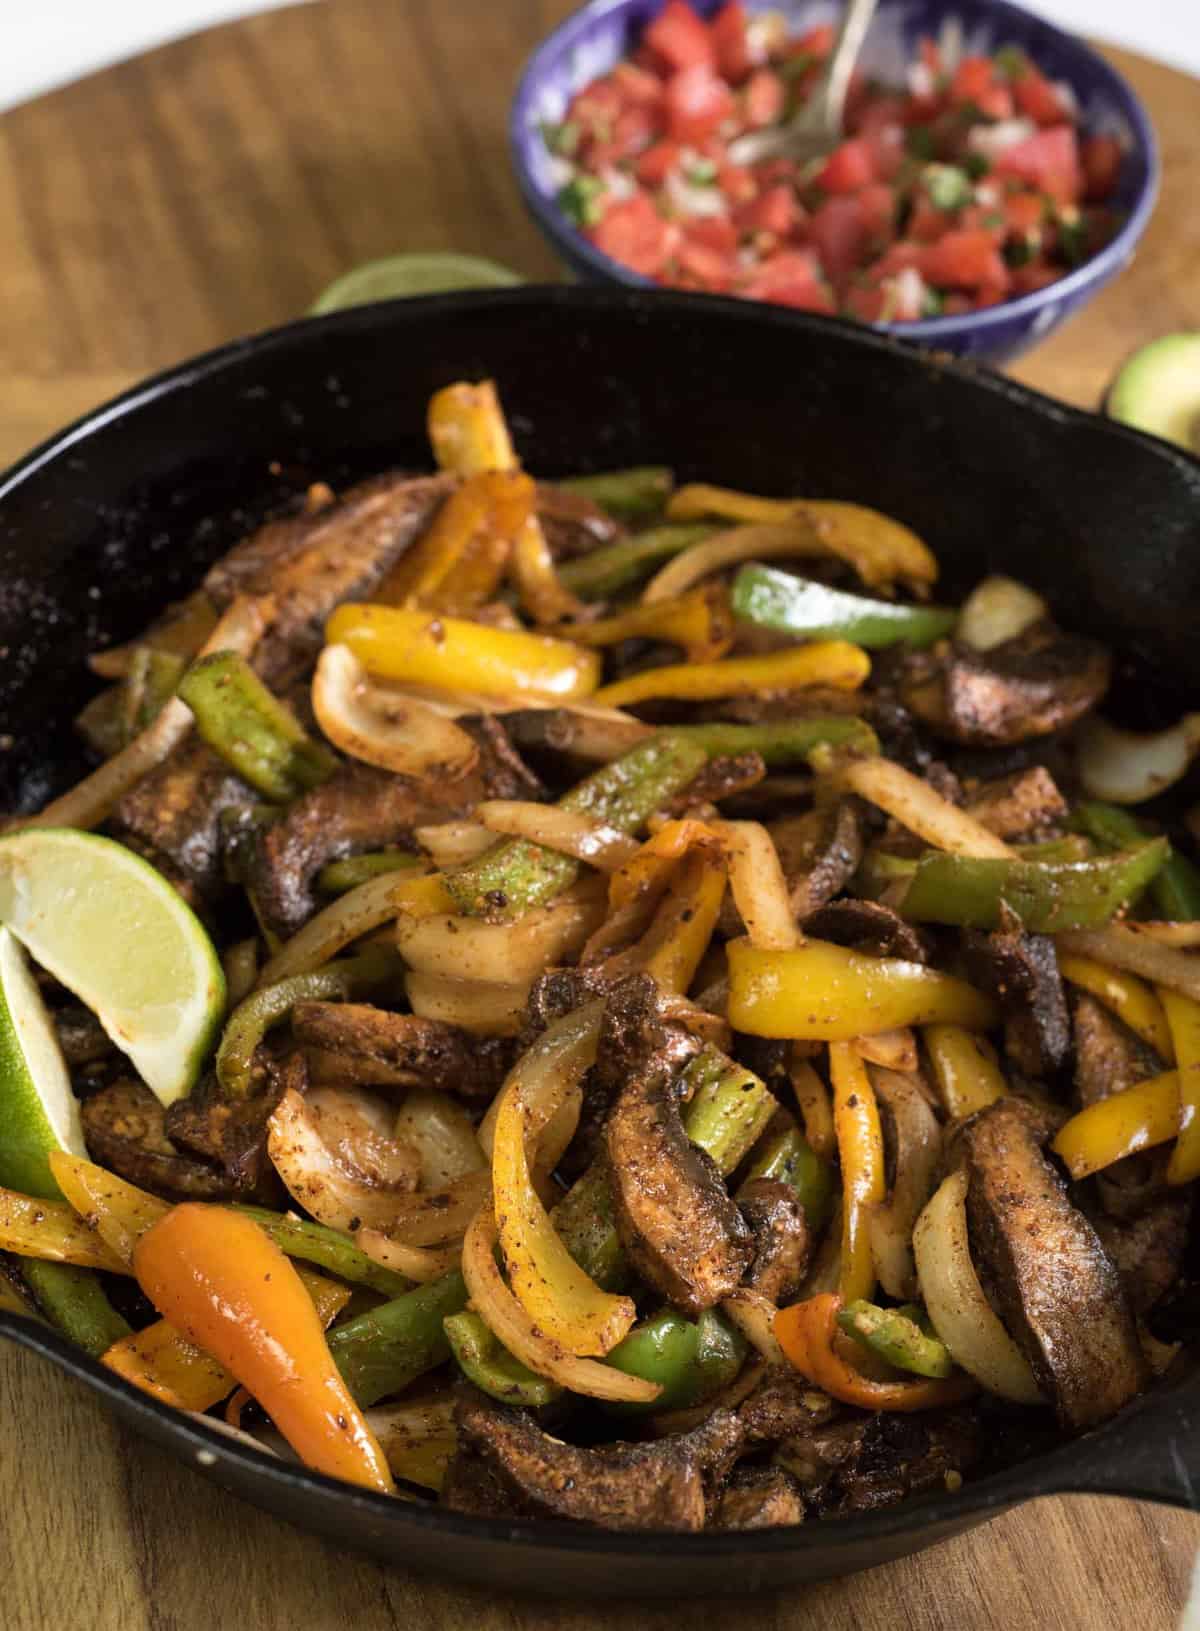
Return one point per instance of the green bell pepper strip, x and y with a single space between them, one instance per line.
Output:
791 1159
801 606
690 1360
901 1336
384 1350
586 1221
631 495
1046 896
1176 890
260 738
484 1361
781 741
254 1017
73 1300
340 876
517 875
602 572
328 1249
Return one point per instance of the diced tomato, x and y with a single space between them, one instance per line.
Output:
878 114
771 171
706 268
713 231
633 130
680 38
1048 161
877 205
927 223
930 54
1101 157
1035 275
839 235
971 80
1024 213
903 253
648 58
775 211
730 42
764 98
956 305
697 102
963 260
847 168
634 233
983 218
818 42
866 303
996 103
790 278
656 163
638 84
736 182
1037 99
994 290
858 97
595 107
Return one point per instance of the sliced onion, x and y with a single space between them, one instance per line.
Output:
383 727
441 1132
512 1326
1122 946
759 541
88 803
351 916
756 879
356 1128
420 1263
315 1178
754 1315
918 1156
484 1009
417 1438
454 843
1128 767
915 805
961 1314
996 610
467 948
570 832
1184 935
894 1050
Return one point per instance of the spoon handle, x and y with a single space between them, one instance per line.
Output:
832 91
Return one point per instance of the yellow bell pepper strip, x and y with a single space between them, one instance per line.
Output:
53 1232
1122 1124
675 943
812 1097
463 554
340 876
700 622
813 611
74 1303
819 992
162 1362
1183 1017
780 742
1176 889
602 572
630 495
1046 896
13 1300
1130 999
117 1212
223 1283
514 876
790 1158
860 1149
251 729
646 873
880 550
451 654
543 594
807 1333
902 1337
468 431
967 1077
824 662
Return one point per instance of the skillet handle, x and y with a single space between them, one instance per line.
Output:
1150 1454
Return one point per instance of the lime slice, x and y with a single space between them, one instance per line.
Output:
116 933
38 1111
400 275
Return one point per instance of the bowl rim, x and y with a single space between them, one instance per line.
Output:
1095 271
1121 1457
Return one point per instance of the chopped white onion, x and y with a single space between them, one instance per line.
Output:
384 727
991 141
1128 767
996 610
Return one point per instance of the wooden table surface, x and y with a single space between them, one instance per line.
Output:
213 188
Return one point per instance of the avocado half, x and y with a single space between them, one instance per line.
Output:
1158 390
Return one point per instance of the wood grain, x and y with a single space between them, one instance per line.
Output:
213 188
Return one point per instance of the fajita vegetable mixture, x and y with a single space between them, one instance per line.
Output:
603 1000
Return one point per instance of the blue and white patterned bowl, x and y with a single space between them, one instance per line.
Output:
597 36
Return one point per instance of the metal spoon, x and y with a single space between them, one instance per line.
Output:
817 128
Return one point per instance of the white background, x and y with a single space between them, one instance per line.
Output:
57 40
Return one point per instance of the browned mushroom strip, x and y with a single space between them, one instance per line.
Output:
1109 1058
123 1128
782 1241
573 524
1020 805
868 926
1149 1250
1055 1285
759 1498
370 1047
174 813
506 1465
1021 972
820 854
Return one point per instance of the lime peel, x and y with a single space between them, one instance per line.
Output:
397 276
38 1110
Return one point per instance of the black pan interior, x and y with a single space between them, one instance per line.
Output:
121 513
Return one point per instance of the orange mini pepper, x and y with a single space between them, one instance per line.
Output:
228 1288
806 1332
860 1150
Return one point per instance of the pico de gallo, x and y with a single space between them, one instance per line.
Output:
970 185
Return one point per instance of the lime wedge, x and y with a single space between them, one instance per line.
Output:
38 1112
116 933
400 275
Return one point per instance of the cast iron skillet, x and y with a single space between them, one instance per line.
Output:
121 512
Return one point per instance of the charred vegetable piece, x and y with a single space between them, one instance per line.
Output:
901 1336
256 735
387 1348
484 1361
807 1333
728 1109
781 741
824 662
790 1158
73 1300
1046 896
690 1360
633 495
602 572
517 875
1175 890
327 1248
814 611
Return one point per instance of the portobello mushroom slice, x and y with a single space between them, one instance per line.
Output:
821 855
573 524
356 1044
505 1465
680 1229
1055 1286
123 1129
173 816
1018 805
759 1498
868 926
782 1241
1149 1250
311 563
785 1404
1021 972
1109 1058
1039 682
861 1463
232 1133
